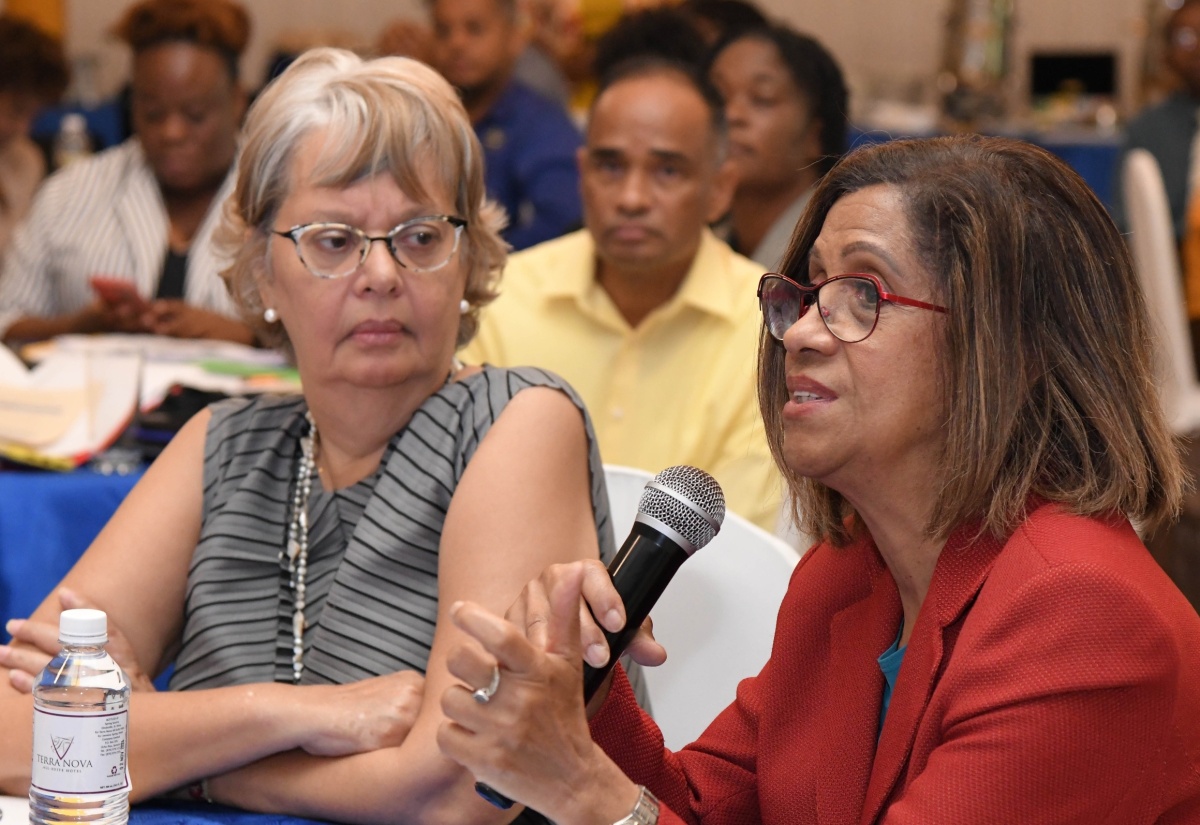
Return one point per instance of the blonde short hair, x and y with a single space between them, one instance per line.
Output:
392 115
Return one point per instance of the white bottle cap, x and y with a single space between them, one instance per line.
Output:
83 626
73 122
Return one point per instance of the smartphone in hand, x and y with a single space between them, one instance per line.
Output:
117 293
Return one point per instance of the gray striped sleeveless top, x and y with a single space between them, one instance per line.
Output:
373 548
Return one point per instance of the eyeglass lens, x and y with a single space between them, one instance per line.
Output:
848 306
334 250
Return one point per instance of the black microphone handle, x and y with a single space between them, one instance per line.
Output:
641 571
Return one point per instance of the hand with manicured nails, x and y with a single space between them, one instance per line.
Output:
531 741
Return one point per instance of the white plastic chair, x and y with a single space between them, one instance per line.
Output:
716 618
1152 243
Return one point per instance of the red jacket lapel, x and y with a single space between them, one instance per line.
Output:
858 634
961 571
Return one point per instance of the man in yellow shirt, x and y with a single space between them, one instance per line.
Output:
651 317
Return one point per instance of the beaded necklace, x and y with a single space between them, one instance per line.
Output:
297 542
297 534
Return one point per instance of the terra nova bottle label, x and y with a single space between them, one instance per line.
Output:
80 753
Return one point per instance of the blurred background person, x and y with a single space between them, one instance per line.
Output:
295 556
570 35
648 314
535 67
786 103
538 66
719 20
568 31
529 142
665 33
406 37
142 212
33 74
1168 129
970 425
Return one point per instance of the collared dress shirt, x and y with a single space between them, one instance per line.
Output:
103 216
529 146
677 389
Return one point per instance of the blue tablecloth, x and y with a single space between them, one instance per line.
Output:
171 812
47 520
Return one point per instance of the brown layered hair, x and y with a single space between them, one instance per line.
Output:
1046 355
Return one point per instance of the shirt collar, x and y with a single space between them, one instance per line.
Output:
709 285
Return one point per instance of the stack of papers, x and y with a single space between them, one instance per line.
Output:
215 366
84 390
67 409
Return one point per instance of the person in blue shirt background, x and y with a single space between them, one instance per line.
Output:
529 142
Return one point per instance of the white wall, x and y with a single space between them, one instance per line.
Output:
889 47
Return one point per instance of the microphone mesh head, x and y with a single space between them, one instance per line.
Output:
699 488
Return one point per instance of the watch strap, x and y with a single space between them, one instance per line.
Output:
645 810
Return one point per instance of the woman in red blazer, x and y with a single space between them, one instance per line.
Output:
970 422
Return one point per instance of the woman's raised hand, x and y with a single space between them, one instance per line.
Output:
599 599
529 739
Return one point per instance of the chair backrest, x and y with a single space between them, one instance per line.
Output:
1152 244
716 619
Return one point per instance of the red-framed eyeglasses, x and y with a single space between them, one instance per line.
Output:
849 304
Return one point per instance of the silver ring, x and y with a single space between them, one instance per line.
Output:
484 694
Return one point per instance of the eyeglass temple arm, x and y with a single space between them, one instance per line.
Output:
910 302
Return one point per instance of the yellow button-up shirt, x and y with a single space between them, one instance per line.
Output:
679 388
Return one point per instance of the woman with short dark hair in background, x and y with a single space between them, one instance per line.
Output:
143 212
957 381
785 101
33 74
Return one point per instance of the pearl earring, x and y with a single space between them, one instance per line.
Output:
464 306
270 315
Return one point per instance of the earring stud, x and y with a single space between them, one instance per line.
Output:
464 306
270 315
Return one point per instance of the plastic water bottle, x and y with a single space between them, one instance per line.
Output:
80 727
72 141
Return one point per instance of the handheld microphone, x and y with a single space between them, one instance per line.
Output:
680 511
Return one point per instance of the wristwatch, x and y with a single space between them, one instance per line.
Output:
645 810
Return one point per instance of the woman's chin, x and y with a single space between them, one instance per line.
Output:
806 458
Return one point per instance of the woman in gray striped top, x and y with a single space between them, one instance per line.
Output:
296 557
